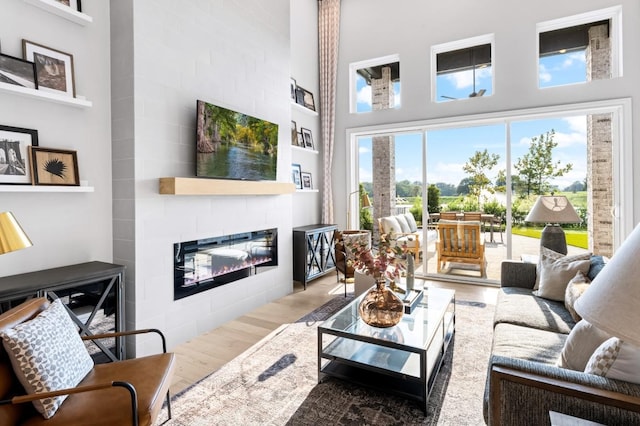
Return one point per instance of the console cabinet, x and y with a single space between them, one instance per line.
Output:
313 252
92 293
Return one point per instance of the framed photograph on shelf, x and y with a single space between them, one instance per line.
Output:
54 166
294 133
296 178
54 69
293 89
307 99
74 4
17 71
306 180
306 137
300 139
14 154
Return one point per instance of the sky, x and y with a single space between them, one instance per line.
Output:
448 150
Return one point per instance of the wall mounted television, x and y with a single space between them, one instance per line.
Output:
232 145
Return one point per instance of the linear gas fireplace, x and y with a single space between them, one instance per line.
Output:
200 265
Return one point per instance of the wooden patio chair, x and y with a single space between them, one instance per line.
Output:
461 242
449 215
472 216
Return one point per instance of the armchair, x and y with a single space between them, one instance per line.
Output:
117 393
461 242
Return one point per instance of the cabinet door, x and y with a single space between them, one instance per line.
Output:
314 254
328 250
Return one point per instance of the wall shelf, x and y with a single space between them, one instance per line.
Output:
43 188
307 190
61 10
303 109
310 151
204 186
47 96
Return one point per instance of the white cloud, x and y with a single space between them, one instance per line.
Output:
364 95
365 175
544 75
364 150
574 57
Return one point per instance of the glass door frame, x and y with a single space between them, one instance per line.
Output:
622 161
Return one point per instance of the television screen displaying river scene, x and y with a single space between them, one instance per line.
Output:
232 145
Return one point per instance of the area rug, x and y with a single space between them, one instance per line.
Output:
275 382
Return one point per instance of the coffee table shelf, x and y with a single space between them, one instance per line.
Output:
403 359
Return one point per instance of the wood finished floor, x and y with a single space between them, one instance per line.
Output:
206 353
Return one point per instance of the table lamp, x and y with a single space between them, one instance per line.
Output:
553 210
611 302
12 237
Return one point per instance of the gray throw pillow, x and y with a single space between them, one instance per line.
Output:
555 273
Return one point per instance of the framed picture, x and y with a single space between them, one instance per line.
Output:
14 154
299 95
293 89
54 166
294 133
296 172
306 180
74 4
17 71
54 69
306 138
307 100
300 140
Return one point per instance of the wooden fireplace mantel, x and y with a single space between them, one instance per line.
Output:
204 186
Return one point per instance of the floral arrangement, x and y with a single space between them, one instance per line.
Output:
383 262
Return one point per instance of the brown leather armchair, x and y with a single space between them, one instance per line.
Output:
129 392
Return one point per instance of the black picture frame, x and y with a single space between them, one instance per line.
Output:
73 4
18 71
296 175
57 167
307 138
15 168
294 133
300 95
307 182
54 68
294 85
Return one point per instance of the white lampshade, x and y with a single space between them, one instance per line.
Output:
12 237
552 209
612 301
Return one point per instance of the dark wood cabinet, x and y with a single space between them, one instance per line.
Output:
313 252
92 293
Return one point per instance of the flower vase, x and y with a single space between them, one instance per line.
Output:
380 307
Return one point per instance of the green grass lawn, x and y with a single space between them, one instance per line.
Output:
575 237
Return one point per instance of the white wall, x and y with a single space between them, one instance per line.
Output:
411 27
232 54
65 228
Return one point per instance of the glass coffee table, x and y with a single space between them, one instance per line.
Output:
403 359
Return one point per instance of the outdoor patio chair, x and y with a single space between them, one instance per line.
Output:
461 242
449 215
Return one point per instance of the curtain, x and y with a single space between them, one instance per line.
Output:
328 36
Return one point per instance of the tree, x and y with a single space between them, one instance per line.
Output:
536 168
476 168
446 189
463 187
433 199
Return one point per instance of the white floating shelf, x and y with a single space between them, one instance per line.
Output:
61 10
299 148
303 109
204 186
47 96
307 190
44 188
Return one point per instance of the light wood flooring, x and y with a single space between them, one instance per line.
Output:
205 354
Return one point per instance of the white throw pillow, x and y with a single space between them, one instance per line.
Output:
390 225
404 226
555 273
583 340
47 354
616 359
575 288
411 221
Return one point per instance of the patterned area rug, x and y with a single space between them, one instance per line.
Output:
275 382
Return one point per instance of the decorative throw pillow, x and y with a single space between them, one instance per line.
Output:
404 226
411 221
575 288
555 273
390 225
547 254
597 263
616 359
47 354
583 340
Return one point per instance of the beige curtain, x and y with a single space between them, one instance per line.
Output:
328 35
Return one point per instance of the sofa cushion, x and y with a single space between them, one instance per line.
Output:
575 288
402 221
47 354
390 225
597 263
583 340
526 343
411 221
518 306
555 273
616 359
409 240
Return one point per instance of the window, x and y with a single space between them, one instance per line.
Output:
375 84
579 49
462 69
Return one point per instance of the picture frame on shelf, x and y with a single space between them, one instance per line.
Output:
300 95
17 71
307 183
54 68
15 168
293 89
54 166
294 133
307 99
300 139
73 4
307 138
296 175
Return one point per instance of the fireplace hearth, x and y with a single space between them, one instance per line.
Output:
200 265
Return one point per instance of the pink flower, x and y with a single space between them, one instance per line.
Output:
383 263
